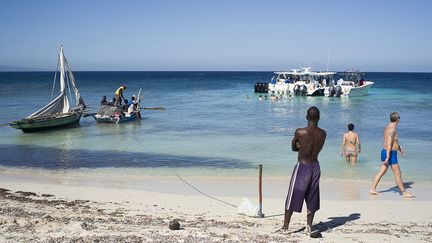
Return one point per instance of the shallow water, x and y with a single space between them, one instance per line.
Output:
214 125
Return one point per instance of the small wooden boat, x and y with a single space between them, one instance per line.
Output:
112 114
116 120
58 112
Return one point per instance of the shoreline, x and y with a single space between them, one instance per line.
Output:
273 186
37 211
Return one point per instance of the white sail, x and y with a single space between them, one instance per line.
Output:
62 71
78 99
56 106
60 105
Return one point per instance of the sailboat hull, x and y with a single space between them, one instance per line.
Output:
47 123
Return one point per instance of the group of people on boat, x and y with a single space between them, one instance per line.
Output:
124 107
355 83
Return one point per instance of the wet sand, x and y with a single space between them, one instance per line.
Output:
53 207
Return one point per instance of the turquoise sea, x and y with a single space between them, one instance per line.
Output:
214 125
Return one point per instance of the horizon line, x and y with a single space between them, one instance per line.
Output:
207 71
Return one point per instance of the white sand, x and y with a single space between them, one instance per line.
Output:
139 209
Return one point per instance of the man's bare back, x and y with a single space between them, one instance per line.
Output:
308 142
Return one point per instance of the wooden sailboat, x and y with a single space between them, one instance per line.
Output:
58 112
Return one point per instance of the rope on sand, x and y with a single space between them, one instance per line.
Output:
203 193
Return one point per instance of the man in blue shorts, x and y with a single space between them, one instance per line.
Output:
389 156
304 185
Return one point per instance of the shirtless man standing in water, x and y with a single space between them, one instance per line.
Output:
351 146
389 156
304 185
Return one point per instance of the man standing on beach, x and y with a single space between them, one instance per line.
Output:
304 185
389 156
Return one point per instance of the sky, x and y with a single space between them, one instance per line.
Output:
219 35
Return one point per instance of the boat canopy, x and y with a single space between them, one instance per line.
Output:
353 75
303 72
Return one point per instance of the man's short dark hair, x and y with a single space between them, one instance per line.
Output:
394 116
313 114
350 127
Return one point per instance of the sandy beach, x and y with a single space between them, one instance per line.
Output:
53 207
161 121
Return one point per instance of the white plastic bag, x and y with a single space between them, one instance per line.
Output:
248 208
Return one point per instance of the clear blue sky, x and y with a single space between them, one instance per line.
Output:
217 35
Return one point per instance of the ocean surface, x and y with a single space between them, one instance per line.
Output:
214 125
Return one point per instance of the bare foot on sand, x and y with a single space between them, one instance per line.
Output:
312 233
373 192
407 194
283 231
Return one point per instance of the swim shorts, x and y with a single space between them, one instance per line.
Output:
393 157
304 186
348 152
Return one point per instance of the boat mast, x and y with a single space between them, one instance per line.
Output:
62 71
62 80
55 77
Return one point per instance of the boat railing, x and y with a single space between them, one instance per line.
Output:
348 83
40 118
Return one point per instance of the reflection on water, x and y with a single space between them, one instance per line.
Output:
67 158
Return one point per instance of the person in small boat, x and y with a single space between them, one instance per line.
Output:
351 146
133 108
125 106
119 95
137 109
361 82
112 102
118 114
133 100
103 101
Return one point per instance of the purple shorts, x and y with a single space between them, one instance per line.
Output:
304 186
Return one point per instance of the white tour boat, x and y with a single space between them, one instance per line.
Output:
350 84
302 82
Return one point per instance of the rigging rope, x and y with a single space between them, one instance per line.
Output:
72 78
67 79
203 193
